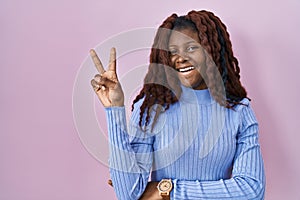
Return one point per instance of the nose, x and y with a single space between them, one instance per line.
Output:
181 58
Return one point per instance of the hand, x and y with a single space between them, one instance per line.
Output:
151 192
106 84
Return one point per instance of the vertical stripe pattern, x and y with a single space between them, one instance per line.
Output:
209 152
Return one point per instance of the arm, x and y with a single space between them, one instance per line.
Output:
130 161
248 179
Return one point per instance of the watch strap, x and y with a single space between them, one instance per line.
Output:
165 196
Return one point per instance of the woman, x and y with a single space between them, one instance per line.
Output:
192 127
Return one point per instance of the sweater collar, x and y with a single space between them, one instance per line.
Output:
190 95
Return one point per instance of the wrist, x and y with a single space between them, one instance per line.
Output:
164 188
117 104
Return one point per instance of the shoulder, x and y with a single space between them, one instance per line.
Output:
138 116
246 114
243 104
135 115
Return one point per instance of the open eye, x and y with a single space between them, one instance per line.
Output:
191 48
173 52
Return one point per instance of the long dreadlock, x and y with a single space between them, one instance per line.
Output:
162 86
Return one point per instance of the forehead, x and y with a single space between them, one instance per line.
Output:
184 36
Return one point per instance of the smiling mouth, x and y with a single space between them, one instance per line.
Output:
185 69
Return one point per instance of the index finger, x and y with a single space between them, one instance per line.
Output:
97 61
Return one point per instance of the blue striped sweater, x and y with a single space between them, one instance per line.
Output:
209 152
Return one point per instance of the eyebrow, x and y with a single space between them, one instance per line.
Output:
189 42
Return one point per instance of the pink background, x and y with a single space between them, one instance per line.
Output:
42 45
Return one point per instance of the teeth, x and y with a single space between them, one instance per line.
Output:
186 69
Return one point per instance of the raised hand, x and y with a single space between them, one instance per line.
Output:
106 84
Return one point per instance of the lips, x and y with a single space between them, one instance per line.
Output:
185 69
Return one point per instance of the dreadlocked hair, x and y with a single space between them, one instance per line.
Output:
161 84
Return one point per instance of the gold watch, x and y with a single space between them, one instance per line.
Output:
164 188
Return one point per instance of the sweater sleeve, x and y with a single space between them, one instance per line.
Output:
130 158
248 178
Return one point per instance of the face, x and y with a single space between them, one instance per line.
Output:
188 58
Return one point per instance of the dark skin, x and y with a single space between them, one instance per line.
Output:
188 56
186 52
149 193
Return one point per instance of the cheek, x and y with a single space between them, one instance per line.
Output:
173 59
200 58
173 62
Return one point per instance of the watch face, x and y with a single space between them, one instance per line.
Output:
165 186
